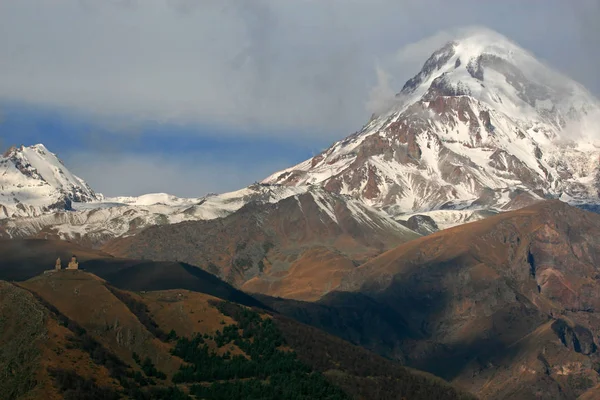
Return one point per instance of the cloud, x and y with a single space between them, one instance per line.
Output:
132 174
259 67
413 55
382 96
587 15
230 62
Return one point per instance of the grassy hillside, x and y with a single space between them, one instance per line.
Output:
90 340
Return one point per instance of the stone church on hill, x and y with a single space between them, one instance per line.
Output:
73 264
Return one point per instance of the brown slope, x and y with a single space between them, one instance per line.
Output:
270 247
309 277
549 250
473 292
591 394
537 365
87 328
139 275
21 259
86 299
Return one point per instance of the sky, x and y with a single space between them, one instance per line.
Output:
196 96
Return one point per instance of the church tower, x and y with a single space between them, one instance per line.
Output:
73 264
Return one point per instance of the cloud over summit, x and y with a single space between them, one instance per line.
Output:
259 67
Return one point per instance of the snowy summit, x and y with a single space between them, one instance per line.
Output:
34 181
483 124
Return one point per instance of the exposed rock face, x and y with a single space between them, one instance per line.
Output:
577 338
421 224
482 117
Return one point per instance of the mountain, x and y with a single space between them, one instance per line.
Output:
506 307
426 237
40 197
298 247
71 335
94 223
34 181
483 125
482 128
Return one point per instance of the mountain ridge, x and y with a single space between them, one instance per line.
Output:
265 247
505 307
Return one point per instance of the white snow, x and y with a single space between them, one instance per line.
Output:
153 198
321 201
113 217
33 180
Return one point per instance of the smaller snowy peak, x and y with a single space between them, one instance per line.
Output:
221 205
34 181
37 161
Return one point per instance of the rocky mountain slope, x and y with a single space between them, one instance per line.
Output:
506 307
298 247
274 239
482 125
25 259
33 181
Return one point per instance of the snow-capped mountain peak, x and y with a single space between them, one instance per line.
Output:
34 180
481 123
495 71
